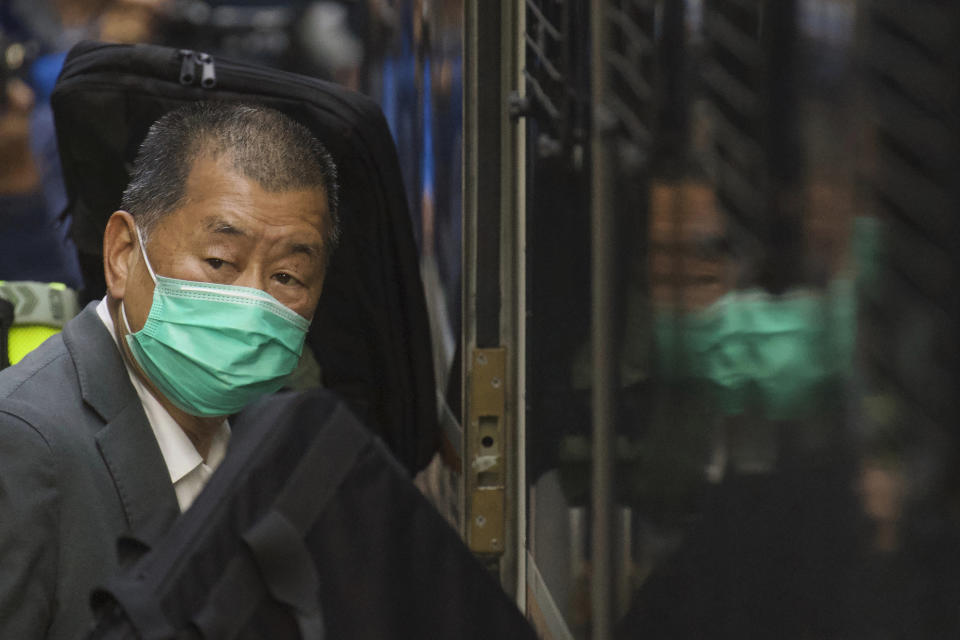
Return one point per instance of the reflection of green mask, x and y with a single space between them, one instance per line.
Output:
776 351
212 349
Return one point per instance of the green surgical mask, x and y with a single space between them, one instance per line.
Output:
779 350
212 349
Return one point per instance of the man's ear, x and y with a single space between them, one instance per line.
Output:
119 252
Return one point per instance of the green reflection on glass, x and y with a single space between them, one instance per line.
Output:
761 350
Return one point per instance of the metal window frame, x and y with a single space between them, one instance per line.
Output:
493 341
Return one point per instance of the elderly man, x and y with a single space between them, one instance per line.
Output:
214 267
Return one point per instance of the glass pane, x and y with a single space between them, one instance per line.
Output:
786 318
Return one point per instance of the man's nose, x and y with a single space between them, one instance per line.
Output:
253 277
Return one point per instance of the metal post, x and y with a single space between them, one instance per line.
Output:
602 330
494 483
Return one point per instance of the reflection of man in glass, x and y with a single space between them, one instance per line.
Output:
759 351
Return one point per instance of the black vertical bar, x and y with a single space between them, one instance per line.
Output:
783 228
672 116
6 323
489 123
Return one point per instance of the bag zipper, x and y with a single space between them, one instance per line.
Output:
190 61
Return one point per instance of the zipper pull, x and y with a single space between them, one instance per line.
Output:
208 73
186 67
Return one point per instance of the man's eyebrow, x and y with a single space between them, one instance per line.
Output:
310 250
216 224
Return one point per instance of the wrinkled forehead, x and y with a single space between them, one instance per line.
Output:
213 168
221 205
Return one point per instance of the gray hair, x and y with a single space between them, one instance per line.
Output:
262 144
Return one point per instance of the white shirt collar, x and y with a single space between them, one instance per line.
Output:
188 470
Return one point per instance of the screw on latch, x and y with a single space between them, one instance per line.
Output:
481 520
481 359
495 382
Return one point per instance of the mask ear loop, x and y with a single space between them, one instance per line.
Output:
143 252
153 276
126 323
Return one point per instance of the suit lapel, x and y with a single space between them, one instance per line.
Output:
126 442
133 457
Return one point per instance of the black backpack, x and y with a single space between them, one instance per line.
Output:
371 335
6 323
309 529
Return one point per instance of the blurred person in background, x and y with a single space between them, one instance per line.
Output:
32 246
330 43
34 239
320 38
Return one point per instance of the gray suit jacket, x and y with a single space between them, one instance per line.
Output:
79 467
